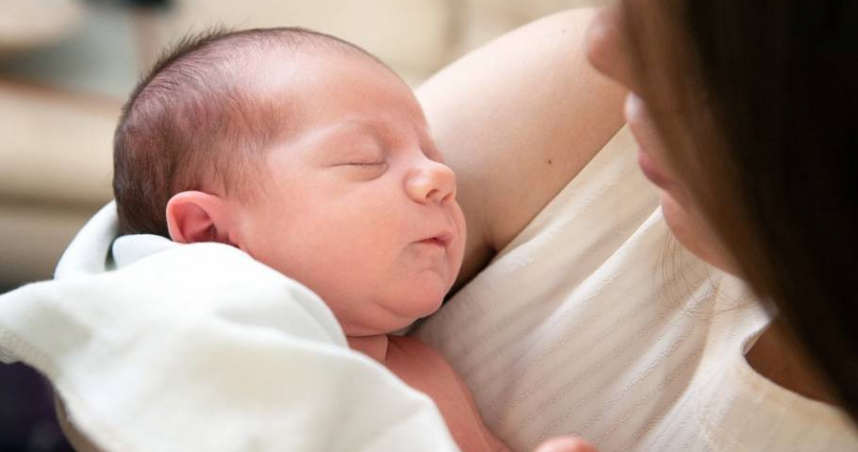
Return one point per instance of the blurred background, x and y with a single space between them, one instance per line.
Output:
66 67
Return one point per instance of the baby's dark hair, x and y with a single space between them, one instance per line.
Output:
194 122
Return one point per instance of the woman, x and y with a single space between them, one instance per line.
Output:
742 111
761 194
760 127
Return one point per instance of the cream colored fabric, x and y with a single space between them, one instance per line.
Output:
34 237
55 172
55 148
484 20
29 23
593 322
415 37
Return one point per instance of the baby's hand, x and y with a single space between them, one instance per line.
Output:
566 444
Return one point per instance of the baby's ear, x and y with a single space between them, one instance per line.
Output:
194 216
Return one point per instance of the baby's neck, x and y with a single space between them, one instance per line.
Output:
373 346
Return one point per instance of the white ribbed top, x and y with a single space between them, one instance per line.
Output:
594 321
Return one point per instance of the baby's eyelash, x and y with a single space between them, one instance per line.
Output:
366 163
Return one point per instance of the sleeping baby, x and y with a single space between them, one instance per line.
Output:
313 157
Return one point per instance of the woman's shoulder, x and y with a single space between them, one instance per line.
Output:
515 139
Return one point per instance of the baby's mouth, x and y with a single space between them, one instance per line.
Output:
443 240
434 241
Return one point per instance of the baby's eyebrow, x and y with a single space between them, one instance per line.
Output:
332 134
344 140
351 132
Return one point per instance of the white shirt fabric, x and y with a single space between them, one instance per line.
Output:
594 321
171 347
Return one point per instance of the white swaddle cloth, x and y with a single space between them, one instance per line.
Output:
201 348
592 321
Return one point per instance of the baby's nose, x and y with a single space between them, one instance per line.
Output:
432 182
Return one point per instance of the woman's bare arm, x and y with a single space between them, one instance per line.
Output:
517 119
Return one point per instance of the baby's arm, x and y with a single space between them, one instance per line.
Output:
424 369
517 119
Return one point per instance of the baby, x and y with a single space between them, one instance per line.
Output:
313 157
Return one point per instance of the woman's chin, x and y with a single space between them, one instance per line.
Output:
694 235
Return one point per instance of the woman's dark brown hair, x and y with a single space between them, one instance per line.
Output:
777 176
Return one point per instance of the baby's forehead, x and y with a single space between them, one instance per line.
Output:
305 59
317 96
301 78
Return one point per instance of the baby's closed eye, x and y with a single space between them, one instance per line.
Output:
361 163
361 169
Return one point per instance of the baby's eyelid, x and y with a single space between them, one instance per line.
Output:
374 158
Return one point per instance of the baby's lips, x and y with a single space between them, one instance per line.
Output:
446 238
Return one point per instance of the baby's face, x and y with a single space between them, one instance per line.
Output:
359 206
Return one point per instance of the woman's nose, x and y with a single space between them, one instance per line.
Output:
609 48
431 181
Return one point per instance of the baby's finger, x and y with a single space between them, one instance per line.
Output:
566 444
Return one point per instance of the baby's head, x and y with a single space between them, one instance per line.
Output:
307 153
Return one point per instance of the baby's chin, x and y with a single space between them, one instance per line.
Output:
397 307
424 308
397 319
427 301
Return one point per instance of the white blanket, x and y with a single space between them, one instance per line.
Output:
200 348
